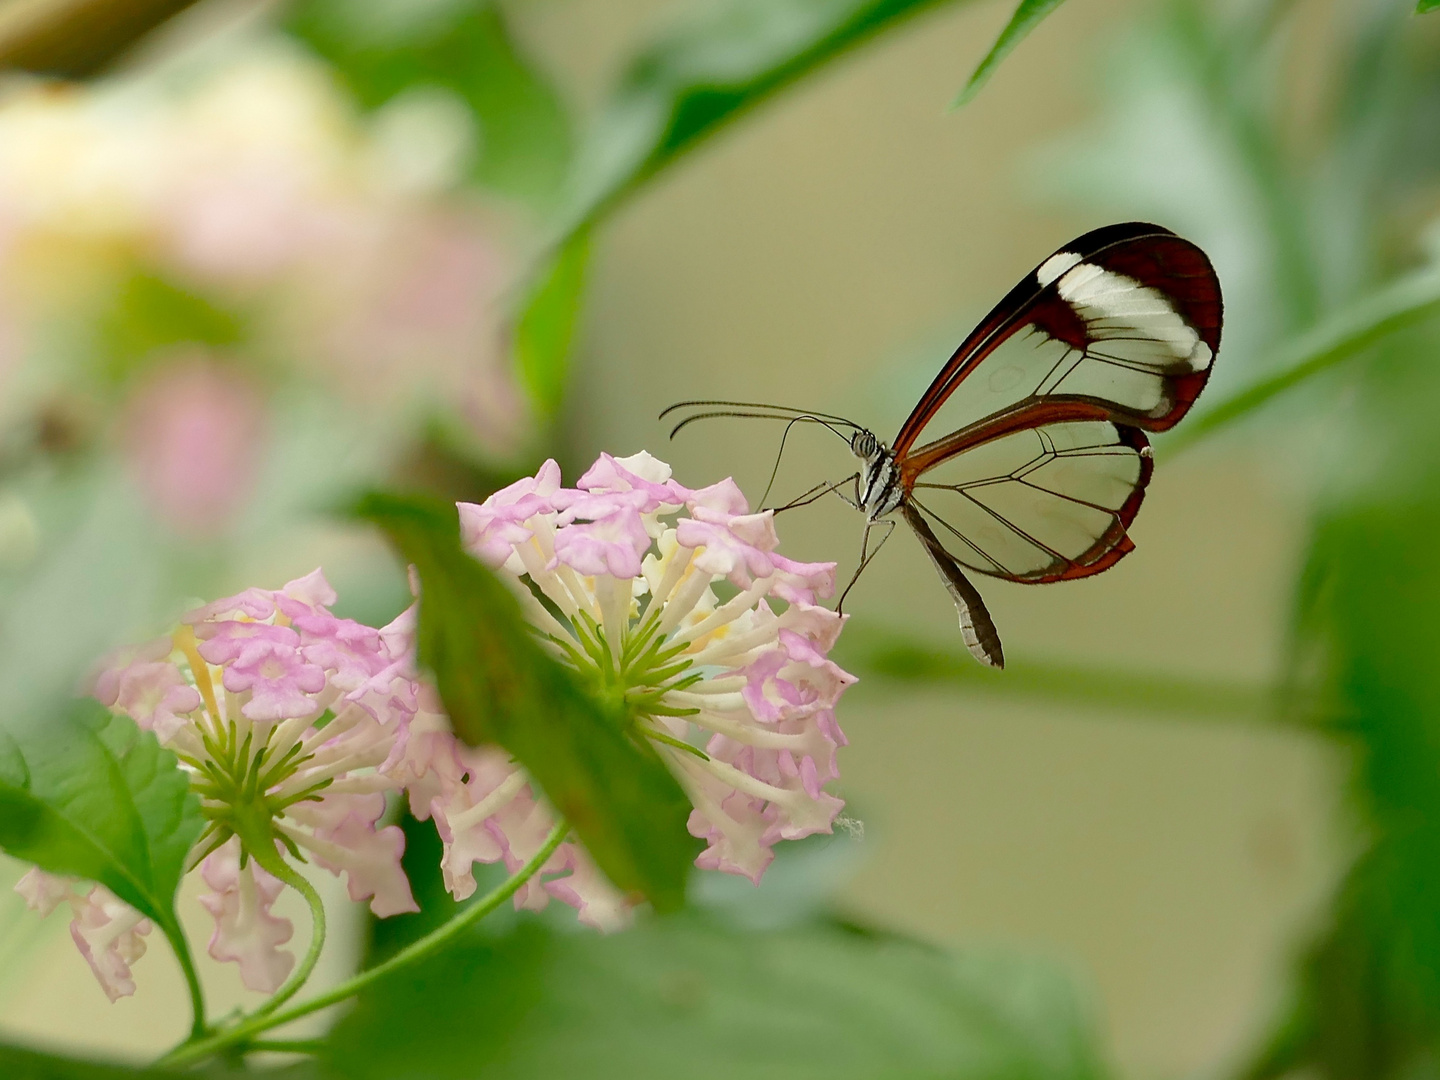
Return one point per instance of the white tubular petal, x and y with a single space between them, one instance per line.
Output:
583 595
546 580
491 804
349 718
688 699
720 685
679 563
743 782
687 595
43 892
235 713
246 932
726 613
614 596
540 616
732 647
186 742
751 734
362 785
333 761
286 734
307 778
325 698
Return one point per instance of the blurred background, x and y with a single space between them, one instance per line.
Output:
255 256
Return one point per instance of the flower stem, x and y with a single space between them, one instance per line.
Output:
287 1046
181 948
241 1033
292 877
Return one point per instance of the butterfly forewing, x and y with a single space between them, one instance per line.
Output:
1027 453
1126 318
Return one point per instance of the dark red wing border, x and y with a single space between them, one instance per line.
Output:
1149 254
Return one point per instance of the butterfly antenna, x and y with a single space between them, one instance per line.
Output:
782 410
834 424
778 455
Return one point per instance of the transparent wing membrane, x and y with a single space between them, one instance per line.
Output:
1040 504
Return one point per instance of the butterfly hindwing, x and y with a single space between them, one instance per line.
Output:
1042 503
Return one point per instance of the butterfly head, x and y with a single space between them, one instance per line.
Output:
864 445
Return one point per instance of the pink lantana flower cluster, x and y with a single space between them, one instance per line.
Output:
285 716
676 602
295 724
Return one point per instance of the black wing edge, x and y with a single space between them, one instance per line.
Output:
1088 246
978 628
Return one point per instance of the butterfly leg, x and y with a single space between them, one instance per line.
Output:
819 491
865 556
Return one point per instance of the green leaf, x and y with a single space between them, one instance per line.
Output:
1342 336
546 328
692 997
17 1063
1368 998
89 794
150 315
1426 5
499 686
689 85
1027 16
381 50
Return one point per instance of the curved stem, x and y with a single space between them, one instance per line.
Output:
181 947
287 1046
418 950
297 881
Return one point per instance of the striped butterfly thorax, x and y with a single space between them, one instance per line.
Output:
1027 457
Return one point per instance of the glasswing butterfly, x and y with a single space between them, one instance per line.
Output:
1026 459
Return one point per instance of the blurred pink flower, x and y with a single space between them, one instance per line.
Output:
246 933
256 183
109 933
193 432
409 308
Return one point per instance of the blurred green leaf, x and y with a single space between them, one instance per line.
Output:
1368 999
87 793
17 1063
690 84
499 686
461 46
1426 5
150 315
1027 16
546 327
896 656
689 996
1341 337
